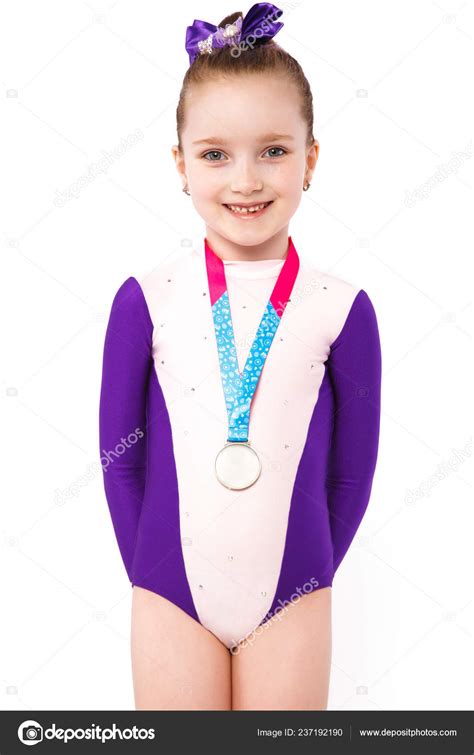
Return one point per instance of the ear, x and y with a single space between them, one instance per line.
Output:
179 162
311 159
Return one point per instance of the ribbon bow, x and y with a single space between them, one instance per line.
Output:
259 23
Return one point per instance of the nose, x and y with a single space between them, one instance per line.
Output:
245 178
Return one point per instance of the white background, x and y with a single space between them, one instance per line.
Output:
387 210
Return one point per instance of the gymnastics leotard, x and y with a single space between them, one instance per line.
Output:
232 558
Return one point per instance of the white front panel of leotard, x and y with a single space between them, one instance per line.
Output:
233 541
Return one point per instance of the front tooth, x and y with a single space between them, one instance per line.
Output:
242 209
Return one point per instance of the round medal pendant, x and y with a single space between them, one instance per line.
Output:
238 466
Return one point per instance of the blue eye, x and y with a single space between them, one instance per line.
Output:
218 152
280 148
213 152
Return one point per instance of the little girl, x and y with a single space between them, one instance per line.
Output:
240 402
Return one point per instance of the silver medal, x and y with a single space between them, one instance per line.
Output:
237 465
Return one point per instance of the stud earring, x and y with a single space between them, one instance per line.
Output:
186 191
305 188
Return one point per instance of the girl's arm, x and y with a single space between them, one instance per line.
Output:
122 414
354 367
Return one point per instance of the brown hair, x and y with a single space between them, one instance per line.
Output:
265 56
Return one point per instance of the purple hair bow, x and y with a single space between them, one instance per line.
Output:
259 23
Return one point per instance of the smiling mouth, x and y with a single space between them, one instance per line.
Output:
254 209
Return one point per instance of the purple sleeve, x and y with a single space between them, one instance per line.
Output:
354 365
122 413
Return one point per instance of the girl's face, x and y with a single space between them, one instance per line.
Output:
244 143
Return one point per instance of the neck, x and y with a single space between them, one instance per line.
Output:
273 248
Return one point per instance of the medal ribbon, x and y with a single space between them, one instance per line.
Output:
239 388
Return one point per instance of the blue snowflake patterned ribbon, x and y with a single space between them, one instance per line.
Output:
239 389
